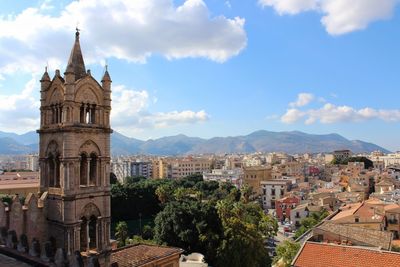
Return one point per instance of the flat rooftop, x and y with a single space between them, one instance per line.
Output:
18 180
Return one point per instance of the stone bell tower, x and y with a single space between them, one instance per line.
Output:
75 157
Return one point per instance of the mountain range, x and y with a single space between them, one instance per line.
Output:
259 141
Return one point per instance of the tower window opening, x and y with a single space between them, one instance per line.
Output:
84 169
57 172
82 114
93 169
92 232
87 116
54 170
84 234
93 114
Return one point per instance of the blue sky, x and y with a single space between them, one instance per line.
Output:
214 67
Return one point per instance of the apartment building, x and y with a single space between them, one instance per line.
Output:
182 167
273 190
253 176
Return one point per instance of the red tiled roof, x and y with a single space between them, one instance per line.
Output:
330 255
137 255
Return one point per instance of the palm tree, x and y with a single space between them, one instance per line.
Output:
121 233
162 193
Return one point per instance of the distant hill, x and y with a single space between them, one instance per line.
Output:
259 141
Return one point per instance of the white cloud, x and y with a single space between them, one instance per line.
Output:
330 113
131 114
303 99
292 115
343 16
124 29
339 16
168 119
19 112
290 6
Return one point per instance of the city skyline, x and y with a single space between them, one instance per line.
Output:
214 68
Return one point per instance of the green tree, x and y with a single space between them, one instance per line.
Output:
136 239
285 253
147 232
245 229
367 162
113 178
246 192
134 179
309 222
164 193
191 225
121 233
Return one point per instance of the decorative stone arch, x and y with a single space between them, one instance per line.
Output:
57 95
88 83
89 147
89 153
53 164
89 230
89 96
52 148
90 210
57 84
54 103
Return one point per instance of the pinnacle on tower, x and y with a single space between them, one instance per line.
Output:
45 76
106 76
75 62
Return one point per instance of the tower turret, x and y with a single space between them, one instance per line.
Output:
106 84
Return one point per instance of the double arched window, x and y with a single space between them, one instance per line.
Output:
90 228
88 233
56 113
87 113
88 169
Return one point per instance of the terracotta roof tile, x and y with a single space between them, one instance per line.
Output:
138 255
370 237
330 255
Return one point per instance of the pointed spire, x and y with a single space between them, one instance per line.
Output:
106 76
75 62
45 76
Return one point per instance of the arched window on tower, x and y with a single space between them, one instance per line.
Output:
57 171
84 169
93 169
93 114
52 169
84 235
87 116
93 232
82 114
